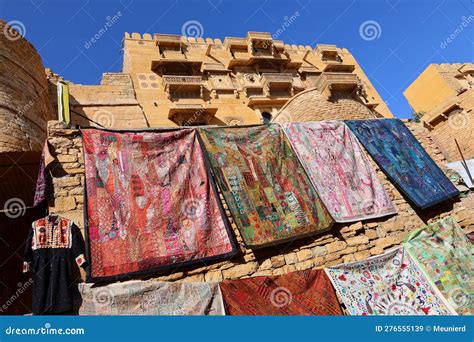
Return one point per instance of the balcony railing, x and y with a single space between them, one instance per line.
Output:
181 80
326 49
338 65
269 78
177 85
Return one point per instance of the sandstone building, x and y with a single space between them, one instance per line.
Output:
170 80
444 95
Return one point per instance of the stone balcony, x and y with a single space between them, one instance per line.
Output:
272 81
189 114
277 78
326 49
176 83
337 81
278 100
219 67
181 80
441 112
337 66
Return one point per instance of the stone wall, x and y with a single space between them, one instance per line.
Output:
459 126
111 104
24 102
345 242
312 105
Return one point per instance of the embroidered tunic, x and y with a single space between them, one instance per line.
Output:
52 245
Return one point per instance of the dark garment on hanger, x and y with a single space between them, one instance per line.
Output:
53 244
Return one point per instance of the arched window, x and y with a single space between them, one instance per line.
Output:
267 117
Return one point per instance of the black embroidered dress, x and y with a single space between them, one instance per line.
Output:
53 245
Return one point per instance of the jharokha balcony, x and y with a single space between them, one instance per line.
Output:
175 84
272 82
337 81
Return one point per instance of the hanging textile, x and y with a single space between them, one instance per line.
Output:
404 160
151 203
43 175
298 293
447 257
460 168
151 298
339 169
53 244
265 186
387 284
63 102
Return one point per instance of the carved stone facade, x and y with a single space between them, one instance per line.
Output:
170 80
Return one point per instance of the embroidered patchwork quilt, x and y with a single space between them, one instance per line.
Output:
151 298
340 170
299 293
151 203
447 257
404 160
388 284
265 186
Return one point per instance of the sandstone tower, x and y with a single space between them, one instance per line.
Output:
444 95
25 108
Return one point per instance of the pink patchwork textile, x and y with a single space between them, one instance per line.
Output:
340 170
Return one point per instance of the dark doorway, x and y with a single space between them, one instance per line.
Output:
267 117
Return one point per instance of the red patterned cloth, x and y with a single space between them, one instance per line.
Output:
299 293
151 203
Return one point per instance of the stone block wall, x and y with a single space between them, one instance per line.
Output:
310 105
459 126
343 243
111 104
24 102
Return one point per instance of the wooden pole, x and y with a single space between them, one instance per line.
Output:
464 161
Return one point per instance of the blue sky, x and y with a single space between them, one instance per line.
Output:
409 34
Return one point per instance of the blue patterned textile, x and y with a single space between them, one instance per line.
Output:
404 161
